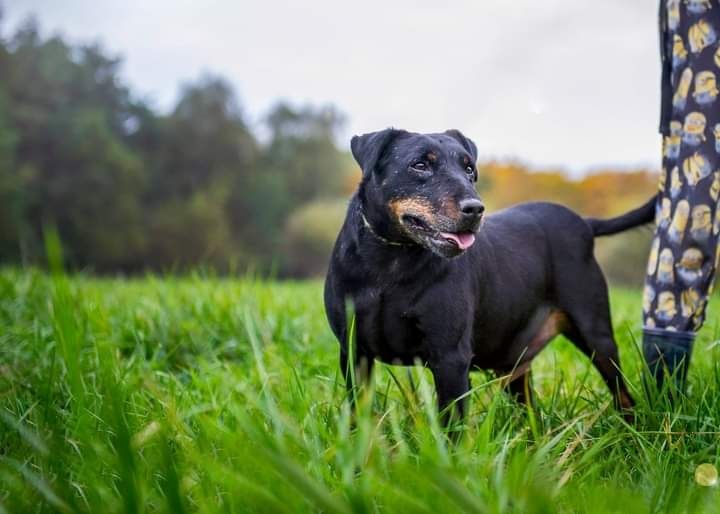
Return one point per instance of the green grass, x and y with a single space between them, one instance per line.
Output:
203 394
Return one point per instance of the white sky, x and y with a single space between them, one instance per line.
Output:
569 83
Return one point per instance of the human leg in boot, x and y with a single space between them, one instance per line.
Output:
684 252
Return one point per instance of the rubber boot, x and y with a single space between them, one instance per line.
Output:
667 354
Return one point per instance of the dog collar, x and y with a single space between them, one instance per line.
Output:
378 236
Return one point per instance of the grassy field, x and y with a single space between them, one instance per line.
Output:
202 394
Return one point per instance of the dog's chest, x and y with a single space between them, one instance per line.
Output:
387 327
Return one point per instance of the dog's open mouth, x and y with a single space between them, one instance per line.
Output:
460 240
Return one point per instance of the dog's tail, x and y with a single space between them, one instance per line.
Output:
634 218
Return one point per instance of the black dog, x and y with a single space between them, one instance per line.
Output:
427 282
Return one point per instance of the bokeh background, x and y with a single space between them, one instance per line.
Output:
169 135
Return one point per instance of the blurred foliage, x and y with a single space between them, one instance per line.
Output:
131 189
604 193
311 233
623 257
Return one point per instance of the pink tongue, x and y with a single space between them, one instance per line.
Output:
464 240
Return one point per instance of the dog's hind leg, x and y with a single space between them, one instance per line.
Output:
602 351
516 383
590 329
520 388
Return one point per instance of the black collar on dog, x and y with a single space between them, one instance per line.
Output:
378 236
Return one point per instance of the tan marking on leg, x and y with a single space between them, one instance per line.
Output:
515 374
554 325
625 401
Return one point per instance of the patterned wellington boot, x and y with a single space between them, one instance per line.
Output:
667 354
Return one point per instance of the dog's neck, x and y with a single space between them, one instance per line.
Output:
374 233
388 263
393 243
378 231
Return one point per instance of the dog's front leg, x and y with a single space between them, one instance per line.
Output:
452 382
356 370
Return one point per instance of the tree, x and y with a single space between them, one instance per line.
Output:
69 163
204 140
11 199
299 164
196 158
302 150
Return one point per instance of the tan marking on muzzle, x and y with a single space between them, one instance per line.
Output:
418 207
450 208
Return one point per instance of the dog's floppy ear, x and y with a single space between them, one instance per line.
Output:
368 148
466 143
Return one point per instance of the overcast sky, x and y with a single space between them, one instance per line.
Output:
569 83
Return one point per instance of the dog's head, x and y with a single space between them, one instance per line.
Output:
420 188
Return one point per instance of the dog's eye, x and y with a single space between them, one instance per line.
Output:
419 166
471 173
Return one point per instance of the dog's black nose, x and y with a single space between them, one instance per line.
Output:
471 207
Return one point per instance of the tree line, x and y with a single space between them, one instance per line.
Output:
129 188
